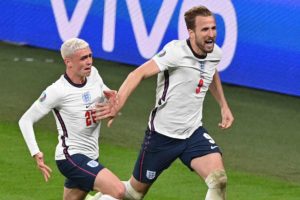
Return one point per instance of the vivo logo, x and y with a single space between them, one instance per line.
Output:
148 43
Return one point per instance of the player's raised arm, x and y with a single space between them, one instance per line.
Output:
146 70
133 79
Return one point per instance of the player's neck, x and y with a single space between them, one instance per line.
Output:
75 78
196 50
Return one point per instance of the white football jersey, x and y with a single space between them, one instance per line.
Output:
72 106
181 88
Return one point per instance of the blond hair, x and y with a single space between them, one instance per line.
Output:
69 47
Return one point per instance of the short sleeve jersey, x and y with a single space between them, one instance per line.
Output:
181 88
72 106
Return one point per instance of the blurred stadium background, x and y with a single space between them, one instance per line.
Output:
260 71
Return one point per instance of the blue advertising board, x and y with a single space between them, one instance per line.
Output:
260 39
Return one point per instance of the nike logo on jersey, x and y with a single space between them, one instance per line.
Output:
90 106
213 147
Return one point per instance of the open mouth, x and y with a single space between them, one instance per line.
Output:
87 70
209 42
209 45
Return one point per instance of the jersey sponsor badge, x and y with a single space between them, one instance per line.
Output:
93 163
150 174
43 97
86 97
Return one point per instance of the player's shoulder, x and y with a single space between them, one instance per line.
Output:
58 87
94 75
217 50
177 44
177 48
94 70
216 54
54 92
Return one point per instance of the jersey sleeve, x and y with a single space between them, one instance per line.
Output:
41 107
168 57
50 98
32 115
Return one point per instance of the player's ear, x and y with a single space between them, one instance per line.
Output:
191 33
67 61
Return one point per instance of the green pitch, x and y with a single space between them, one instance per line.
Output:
261 151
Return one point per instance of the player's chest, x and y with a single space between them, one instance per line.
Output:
192 70
82 99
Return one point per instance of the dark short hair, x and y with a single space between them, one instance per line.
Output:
191 14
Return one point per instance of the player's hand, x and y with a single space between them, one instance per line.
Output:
227 118
107 110
104 111
111 95
39 158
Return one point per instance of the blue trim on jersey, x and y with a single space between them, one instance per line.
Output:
65 133
163 98
166 86
153 113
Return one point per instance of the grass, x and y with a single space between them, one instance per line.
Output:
261 150
20 179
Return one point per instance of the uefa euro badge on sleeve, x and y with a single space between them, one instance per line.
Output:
161 53
43 97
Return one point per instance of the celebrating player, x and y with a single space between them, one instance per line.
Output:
186 70
72 99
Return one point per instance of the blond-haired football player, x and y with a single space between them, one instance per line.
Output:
72 99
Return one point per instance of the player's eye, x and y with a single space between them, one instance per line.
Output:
86 56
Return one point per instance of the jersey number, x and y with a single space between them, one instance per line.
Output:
199 86
89 119
209 138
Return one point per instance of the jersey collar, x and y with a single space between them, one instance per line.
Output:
74 84
194 53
